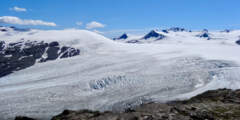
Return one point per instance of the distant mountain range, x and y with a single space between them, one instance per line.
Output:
156 35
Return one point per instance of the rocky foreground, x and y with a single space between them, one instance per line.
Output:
222 104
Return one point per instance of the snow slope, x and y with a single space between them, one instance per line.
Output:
110 75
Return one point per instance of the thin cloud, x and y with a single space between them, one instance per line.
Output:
99 32
79 23
18 21
18 9
94 24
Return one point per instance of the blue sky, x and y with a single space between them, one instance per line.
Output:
117 15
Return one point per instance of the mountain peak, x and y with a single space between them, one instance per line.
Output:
123 36
153 33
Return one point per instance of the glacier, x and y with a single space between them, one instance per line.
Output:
114 75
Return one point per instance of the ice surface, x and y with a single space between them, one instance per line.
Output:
112 75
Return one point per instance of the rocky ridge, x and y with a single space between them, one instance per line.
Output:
222 104
16 56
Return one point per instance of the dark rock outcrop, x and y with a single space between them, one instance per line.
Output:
53 44
3 30
68 52
20 55
204 34
2 45
23 118
238 42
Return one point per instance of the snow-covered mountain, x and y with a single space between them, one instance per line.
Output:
110 74
178 34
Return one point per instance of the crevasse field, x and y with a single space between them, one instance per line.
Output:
113 75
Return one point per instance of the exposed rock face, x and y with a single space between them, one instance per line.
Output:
68 52
19 55
223 104
154 34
